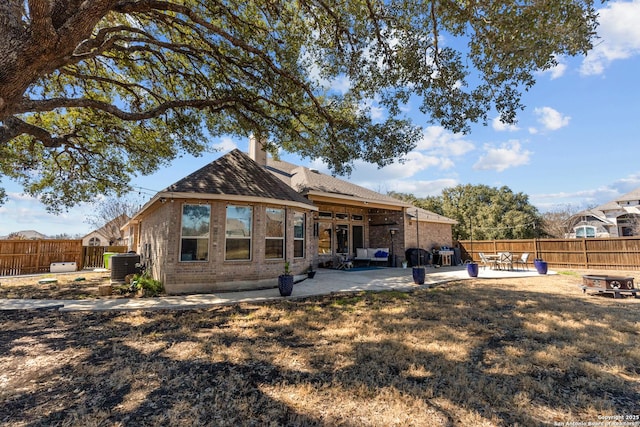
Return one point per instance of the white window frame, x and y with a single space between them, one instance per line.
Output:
271 238
304 232
197 237
249 237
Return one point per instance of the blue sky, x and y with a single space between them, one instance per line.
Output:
575 143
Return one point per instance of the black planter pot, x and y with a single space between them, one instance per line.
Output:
419 274
541 266
311 274
285 284
472 269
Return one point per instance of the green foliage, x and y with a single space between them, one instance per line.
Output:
488 212
147 284
116 89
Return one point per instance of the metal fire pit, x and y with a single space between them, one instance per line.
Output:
609 284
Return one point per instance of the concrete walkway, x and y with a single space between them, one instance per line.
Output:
324 283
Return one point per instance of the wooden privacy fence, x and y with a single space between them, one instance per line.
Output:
93 256
35 256
620 253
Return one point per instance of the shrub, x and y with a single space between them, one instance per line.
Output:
147 284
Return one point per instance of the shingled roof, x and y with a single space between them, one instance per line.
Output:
305 180
236 174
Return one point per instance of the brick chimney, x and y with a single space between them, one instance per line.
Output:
257 151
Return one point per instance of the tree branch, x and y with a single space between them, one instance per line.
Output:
14 127
54 103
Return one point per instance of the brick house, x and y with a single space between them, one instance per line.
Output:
235 222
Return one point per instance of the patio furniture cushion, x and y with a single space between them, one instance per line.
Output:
372 254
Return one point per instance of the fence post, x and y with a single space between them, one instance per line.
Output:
38 246
584 254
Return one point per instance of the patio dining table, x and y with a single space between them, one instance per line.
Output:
493 260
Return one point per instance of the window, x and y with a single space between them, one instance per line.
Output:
325 230
194 240
358 236
94 241
238 232
298 235
626 231
582 232
274 236
342 239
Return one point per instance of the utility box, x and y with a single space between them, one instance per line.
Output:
63 267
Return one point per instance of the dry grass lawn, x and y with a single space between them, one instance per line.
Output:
528 351
78 285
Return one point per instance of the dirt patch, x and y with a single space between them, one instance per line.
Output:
78 285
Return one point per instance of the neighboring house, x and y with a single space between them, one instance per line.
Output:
108 235
617 218
235 222
26 235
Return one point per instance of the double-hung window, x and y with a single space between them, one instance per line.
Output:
298 234
274 236
194 239
585 231
238 232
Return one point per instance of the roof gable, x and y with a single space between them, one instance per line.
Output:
633 195
236 174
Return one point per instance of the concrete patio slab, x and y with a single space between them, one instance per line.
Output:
325 282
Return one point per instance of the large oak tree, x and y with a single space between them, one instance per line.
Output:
93 92
484 212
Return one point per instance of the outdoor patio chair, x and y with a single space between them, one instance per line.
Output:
505 260
523 260
485 261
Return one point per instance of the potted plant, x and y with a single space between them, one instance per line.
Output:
404 263
311 272
419 271
472 266
285 281
540 265
419 274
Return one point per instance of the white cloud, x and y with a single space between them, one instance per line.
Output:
438 141
589 198
499 126
422 188
582 199
557 71
340 84
225 145
23 212
550 118
508 155
375 112
619 34
624 185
